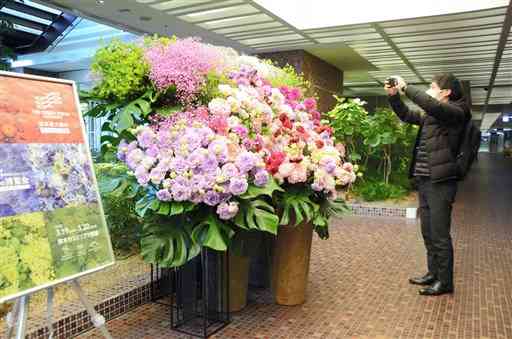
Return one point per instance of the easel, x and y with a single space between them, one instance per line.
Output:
17 318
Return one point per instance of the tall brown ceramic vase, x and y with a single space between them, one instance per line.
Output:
290 264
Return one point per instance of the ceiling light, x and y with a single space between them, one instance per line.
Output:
100 2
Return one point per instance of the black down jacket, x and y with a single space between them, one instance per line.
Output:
441 126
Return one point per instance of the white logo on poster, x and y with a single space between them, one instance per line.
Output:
48 101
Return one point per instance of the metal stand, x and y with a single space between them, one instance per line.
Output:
97 319
201 300
162 284
49 312
18 316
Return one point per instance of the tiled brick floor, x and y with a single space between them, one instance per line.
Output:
358 280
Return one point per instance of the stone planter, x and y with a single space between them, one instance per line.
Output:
290 264
238 281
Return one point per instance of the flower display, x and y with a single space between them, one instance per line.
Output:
249 132
224 142
186 159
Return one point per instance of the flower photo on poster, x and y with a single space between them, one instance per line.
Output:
43 177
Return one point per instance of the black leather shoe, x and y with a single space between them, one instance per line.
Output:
427 279
437 288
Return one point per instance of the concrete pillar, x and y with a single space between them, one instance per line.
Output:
324 77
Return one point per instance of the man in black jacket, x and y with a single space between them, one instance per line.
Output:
434 168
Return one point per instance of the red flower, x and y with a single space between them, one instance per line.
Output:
301 129
319 143
274 161
323 128
287 123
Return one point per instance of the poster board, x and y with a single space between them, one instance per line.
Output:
52 225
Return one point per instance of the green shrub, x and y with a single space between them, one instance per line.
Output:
371 190
122 70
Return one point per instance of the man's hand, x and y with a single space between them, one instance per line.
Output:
401 85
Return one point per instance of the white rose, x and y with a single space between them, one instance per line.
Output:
225 90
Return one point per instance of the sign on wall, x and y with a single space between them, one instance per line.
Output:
52 226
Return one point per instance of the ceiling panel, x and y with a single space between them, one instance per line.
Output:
447 25
220 13
236 21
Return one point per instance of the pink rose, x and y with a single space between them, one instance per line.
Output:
348 167
298 174
341 149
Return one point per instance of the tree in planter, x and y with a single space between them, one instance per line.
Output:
380 142
382 135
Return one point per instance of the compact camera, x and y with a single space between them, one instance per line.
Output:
391 81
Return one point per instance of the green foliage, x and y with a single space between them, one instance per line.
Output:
121 118
167 243
297 207
122 70
210 89
327 209
383 133
302 205
375 190
288 76
211 232
257 215
349 121
151 40
380 143
118 196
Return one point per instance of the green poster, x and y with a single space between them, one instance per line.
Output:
42 248
78 240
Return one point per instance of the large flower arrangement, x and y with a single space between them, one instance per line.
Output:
219 143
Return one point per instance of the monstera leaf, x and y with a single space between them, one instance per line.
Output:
255 191
212 233
297 207
257 215
327 209
167 244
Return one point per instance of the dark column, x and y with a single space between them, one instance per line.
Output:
325 78
466 87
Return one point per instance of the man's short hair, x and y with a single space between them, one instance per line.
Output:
449 81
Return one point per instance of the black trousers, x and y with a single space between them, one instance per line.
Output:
435 207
